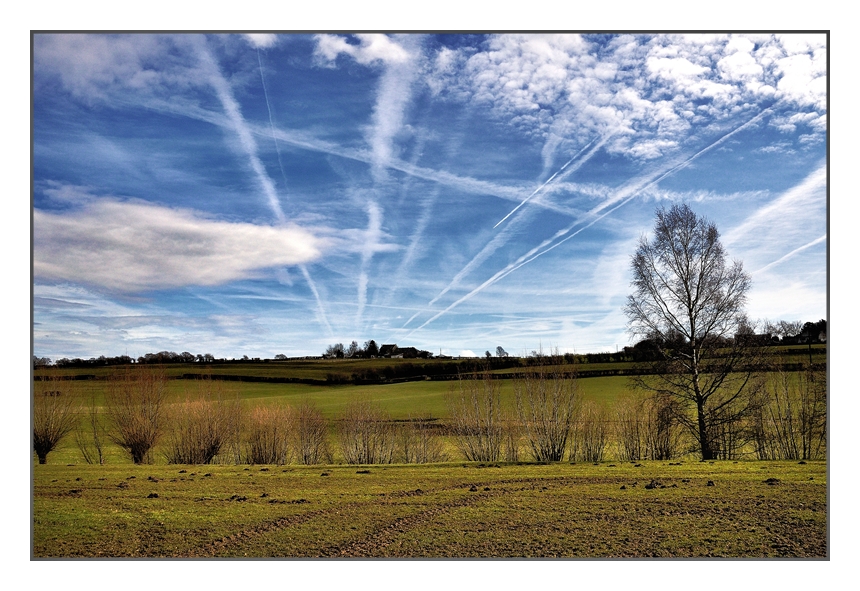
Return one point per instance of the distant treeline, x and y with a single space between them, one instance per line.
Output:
778 333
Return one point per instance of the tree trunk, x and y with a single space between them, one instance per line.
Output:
704 441
43 457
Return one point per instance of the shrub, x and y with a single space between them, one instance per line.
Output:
792 421
366 434
134 402
266 438
663 434
546 409
309 434
512 434
476 420
91 433
591 434
55 414
418 443
202 425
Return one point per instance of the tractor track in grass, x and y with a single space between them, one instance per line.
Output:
381 537
374 544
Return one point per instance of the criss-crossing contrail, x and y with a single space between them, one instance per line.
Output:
549 180
246 138
595 215
503 236
271 121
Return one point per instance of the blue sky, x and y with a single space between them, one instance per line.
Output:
255 195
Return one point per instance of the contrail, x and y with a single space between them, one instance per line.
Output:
271 121
374 227
304 269
549 180
234 113
246 138
502 237
792 253
562 235
320 308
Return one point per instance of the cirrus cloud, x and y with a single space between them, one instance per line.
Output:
131 247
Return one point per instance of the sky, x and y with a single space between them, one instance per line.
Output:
274 194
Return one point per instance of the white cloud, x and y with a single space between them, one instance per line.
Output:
134 247
371 48
97 66
261 40
646 90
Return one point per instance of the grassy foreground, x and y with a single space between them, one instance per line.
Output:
612 509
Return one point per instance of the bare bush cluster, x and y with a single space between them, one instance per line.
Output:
476 418
366 434
646 428
203 425
591 433
135 402
792 421
309 434
546 407
55 414
418 442
266 435
512 433
91 433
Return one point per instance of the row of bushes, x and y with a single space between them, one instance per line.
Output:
548 422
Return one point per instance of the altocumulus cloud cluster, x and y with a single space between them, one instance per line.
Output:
258 194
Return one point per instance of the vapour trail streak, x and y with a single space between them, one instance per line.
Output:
548 181
246 138
301 140
561 237
317 297
307 275
818 240
504 235
271 122
231 107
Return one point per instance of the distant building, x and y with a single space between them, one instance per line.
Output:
388 350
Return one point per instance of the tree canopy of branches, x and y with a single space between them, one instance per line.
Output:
689 301
135 401
55 414
546 405
476 417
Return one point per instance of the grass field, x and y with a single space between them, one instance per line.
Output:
682 508
653 509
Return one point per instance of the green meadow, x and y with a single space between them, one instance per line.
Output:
453 508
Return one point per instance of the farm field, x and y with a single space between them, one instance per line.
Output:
456 508
608 509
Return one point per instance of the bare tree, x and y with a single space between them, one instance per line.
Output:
55 414
91 433
309 434
546 409
476 417
201 426
134 402
689 300
366 434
